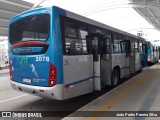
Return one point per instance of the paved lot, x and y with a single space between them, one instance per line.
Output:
4 70
11 100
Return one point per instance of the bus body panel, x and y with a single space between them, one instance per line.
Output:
132 62
138 64
57 43
47 92
78 75
78 89
27 68
120 60
106 70
97 78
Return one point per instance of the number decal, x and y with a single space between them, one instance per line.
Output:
42 59
47 59
36 59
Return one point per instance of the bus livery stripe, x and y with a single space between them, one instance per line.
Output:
77 82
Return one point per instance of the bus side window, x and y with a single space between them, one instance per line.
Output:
141 47
75 39
116 44
122 43
95 45
128 47
132 46
70 38
136 46
123 46
105 47
83 33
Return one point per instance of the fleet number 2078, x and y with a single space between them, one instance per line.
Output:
42 59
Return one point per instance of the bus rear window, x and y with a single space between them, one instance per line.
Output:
35 27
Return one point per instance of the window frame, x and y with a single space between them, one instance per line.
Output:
27 17
116 39
77 24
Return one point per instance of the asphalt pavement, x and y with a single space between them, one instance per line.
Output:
4 70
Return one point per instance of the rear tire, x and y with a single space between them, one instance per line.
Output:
115 78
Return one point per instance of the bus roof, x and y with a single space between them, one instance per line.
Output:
83 19
99 24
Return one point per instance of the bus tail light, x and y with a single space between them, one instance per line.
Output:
52 76
10 71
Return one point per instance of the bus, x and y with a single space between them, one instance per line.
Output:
57 54
153 53
143 52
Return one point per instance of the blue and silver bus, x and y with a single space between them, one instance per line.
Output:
58 54
153 53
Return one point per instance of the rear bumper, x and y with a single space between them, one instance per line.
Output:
55 92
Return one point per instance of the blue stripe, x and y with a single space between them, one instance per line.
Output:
149 100
96 76
77 82
124 68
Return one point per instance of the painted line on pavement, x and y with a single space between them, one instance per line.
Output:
119 97
12 98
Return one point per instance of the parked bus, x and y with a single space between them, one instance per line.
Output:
153 53
143 52
58 54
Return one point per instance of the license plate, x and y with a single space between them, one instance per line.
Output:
26 80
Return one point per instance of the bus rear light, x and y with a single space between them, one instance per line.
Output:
41 90
10 72
52 72
52 82
52 76
67 89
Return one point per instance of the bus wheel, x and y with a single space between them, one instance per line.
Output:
115 78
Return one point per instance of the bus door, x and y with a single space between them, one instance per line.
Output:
95 48
128 51
105 60
132 57
145 52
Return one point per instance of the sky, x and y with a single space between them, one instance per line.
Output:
115 13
